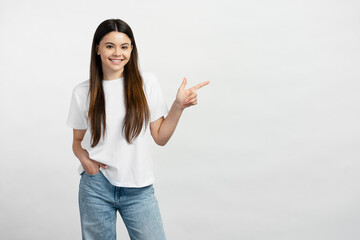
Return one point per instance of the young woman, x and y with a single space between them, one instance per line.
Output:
115 115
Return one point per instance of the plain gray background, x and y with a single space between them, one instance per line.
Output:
270 152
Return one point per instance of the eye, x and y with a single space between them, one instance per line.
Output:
125 47
109 46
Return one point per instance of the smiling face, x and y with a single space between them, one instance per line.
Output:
115 51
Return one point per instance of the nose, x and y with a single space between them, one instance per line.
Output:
117 52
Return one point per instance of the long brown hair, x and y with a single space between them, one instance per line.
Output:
137 109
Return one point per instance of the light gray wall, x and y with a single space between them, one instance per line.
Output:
270 152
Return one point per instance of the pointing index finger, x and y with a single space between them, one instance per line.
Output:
200 85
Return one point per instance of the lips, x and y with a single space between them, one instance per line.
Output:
116 61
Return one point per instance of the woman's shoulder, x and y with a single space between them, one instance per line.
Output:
82 87
149 78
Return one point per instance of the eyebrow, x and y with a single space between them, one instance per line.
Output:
114 44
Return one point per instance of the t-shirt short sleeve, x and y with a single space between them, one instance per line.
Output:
77 118
158 106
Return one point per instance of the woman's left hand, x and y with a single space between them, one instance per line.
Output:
188 97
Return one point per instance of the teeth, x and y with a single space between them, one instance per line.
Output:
116 60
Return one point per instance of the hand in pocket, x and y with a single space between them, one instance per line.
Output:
92 167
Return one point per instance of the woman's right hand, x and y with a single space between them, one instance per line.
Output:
91 166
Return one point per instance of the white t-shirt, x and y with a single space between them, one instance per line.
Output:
129 165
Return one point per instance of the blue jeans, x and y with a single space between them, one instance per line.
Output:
99 202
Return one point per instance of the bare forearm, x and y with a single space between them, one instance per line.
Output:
90 166
79 152
184 98
169 124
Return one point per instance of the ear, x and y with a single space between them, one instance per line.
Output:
97 50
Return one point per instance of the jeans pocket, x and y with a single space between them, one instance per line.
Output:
91 175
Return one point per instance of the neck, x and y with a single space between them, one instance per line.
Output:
113 75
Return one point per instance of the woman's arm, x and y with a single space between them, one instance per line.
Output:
162 129
78 136
89 165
